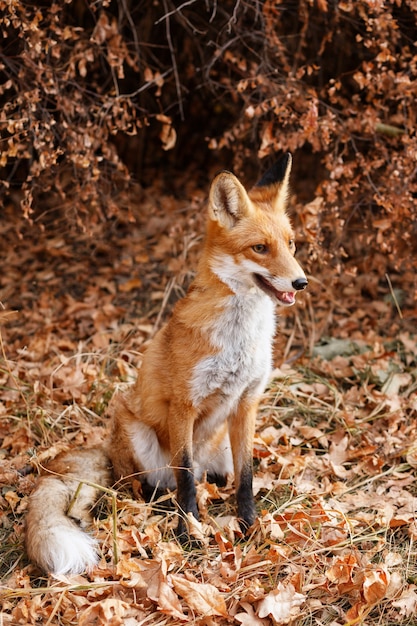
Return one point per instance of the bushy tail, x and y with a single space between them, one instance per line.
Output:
60 508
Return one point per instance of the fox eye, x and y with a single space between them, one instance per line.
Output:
291 243
260 248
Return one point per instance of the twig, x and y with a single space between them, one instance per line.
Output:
170 286
389 129
56 607
176 10
114 519
174 63
393 296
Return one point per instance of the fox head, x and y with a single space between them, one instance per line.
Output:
250 241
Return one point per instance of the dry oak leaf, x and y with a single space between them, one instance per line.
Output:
407 602
344 573
151 576
375 585
231 558
374 589
333 535
111 611
202 598
249 618
271 527
338 456
130 573
283 604
168 602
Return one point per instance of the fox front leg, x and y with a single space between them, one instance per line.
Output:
181 444
242 430
186 496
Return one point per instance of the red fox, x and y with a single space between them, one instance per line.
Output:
193 407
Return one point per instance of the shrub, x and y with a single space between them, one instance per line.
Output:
95 93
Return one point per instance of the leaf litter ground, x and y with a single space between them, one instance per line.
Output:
335 450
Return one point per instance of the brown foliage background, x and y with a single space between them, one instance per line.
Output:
97 95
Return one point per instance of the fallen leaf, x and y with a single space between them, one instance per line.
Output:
283 604
107 611
202 598
249 618
271 527
407 602
130 285
343 573
338 455
394 383
169 603
375 585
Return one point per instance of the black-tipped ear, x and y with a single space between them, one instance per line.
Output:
278 172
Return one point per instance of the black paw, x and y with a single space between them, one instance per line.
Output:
151 494
187 541
218 479
247 515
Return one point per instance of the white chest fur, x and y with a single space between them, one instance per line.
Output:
243 336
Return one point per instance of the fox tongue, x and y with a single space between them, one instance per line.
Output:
284 297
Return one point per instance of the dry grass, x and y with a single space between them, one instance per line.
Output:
335 454
334 544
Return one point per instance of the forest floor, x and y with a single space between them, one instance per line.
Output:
335 450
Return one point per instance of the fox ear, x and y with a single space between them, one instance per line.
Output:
278 173
228 200
275 183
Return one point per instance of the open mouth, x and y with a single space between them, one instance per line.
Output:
286 298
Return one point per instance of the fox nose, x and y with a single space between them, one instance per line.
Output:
300 283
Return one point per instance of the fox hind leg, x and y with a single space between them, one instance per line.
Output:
220 464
